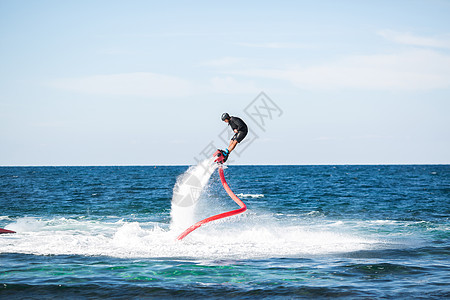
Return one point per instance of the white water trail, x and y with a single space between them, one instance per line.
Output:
187 191
250 236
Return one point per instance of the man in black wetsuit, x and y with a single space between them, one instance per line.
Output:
240 131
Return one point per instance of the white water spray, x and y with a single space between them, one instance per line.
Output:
187 191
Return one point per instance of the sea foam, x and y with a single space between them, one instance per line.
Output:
239 237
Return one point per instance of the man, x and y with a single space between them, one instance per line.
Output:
240 131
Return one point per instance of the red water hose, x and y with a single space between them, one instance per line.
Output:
6 231
241 204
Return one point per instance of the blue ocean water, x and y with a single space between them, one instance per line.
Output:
309 232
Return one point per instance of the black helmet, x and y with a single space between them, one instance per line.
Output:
225 116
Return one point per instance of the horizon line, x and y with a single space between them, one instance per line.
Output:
187 165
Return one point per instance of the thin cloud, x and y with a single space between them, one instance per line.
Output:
413 70
145 84
407 38
141 84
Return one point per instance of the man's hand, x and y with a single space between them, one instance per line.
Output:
235 131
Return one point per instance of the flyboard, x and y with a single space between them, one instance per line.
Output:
6 231
243 207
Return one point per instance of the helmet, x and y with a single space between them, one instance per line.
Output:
225 116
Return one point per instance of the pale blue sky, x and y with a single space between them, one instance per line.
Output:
145 82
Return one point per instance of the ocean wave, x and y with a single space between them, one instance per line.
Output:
250 195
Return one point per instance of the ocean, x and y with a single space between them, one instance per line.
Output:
379 231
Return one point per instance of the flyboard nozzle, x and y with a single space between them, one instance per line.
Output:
219 156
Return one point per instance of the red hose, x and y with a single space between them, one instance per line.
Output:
6 231
241 204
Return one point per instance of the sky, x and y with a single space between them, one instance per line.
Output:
145 82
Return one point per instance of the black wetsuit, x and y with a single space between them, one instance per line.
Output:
237 123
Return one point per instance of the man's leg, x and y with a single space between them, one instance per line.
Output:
232 145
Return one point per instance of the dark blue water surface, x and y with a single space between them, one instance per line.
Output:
309 232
